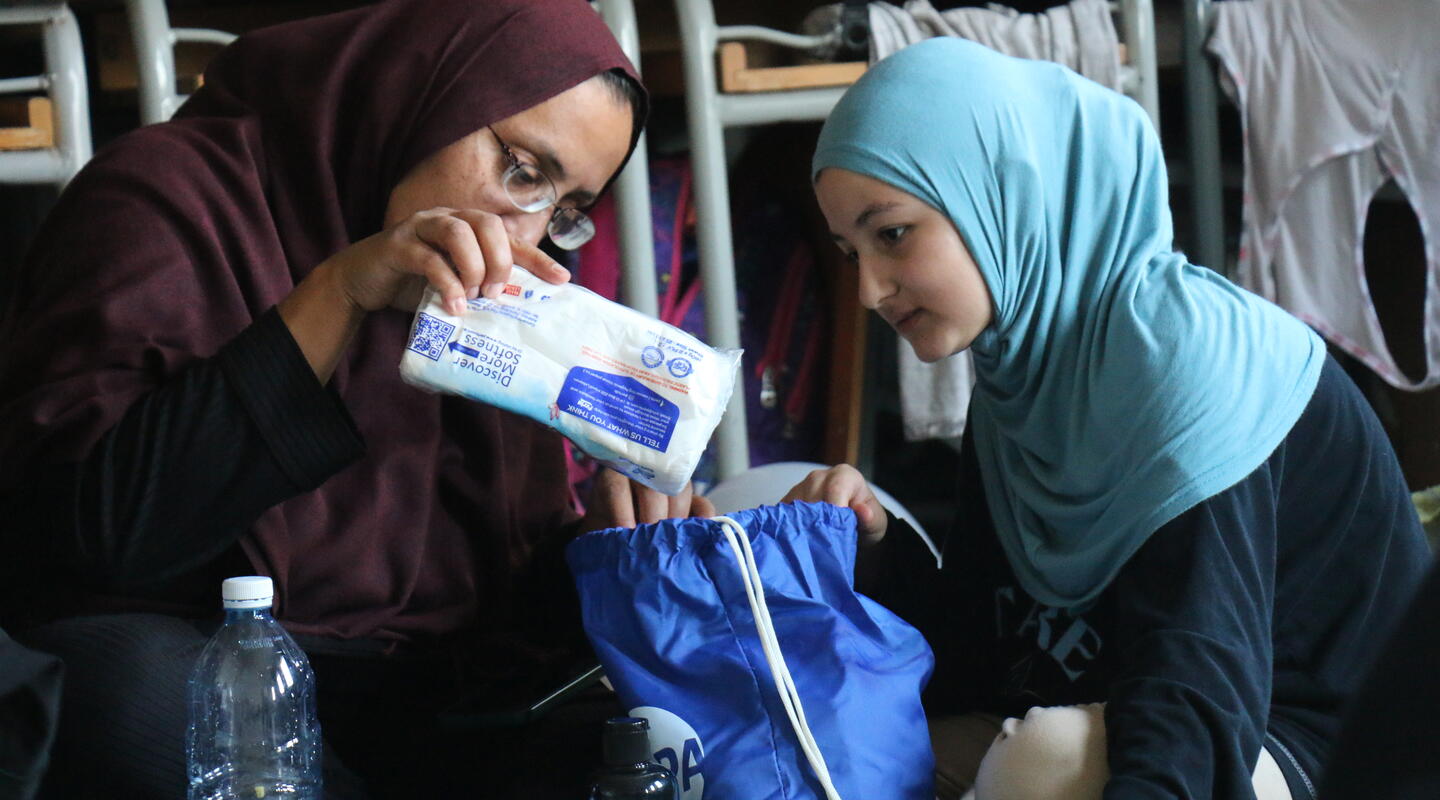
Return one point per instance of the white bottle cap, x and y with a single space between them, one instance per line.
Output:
251 591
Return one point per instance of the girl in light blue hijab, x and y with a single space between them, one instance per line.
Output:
1175 504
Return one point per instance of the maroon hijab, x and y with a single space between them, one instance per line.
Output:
178 236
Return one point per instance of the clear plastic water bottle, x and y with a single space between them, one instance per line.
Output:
630 771
253 731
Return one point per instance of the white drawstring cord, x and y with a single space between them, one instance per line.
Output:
784 684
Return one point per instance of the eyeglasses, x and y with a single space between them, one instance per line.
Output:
531 191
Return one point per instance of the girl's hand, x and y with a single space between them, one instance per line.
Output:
462 253
843 485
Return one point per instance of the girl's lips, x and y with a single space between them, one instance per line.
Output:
905 321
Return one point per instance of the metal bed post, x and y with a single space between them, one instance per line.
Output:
632 188
709 113
1137 18
154 59
1201 111
155 56
64 80
712 206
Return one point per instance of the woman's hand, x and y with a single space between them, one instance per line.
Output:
843 485
462 253
618 502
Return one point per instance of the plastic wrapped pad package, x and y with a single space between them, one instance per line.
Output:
635 393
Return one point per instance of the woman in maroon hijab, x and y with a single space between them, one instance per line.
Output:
200 379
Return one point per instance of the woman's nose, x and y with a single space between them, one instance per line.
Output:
528 228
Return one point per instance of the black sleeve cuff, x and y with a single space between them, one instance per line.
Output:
894 569
305 425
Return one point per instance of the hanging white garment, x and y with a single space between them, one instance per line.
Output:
1080 34
935 398
1336 97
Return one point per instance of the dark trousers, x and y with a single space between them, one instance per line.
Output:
124 715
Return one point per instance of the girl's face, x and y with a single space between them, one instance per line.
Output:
914 268
576 138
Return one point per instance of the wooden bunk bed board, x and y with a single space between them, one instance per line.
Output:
26 123
746 68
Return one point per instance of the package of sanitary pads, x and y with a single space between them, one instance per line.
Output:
635 393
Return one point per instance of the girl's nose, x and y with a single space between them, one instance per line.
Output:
873 287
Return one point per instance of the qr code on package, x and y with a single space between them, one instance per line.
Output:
431 336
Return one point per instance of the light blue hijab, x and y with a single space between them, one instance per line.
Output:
1118 385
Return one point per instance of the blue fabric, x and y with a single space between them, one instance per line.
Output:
666 611
1118 385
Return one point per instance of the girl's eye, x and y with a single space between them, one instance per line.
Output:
894 234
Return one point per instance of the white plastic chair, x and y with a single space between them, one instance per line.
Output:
63 82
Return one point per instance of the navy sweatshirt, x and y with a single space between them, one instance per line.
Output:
1388 746
1244 622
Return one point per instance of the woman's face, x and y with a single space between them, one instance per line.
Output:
577 138
914 268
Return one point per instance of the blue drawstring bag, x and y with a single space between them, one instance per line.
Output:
763 674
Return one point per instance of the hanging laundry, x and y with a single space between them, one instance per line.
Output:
934 398
1081 34
1337 97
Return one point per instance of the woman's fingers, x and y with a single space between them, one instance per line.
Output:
424 257
494 241
679 505
700 506
461 253
458 264
478 251
610 501
689 504
617 501
537 262
650 505
478 247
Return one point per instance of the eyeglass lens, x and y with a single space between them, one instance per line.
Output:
570 228
529 189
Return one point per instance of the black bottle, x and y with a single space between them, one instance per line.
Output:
629 772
